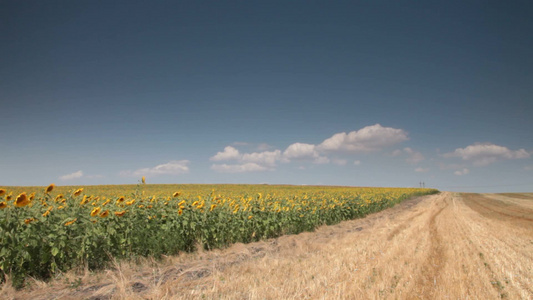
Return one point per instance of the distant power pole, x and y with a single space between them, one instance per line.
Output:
423 184
420 183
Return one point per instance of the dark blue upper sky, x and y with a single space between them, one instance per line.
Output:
96 92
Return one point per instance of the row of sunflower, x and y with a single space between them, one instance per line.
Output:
60 228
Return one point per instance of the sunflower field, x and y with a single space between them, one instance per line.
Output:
45 230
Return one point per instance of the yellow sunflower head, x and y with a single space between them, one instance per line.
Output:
22 200
50 188
29 220
120 213
71 222
78 192
95 211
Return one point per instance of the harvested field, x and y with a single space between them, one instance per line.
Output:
444 246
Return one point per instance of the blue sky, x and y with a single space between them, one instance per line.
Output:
359 93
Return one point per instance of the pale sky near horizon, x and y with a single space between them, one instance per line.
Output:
358 93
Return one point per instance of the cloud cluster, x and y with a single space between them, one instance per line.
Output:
367 139
413 156
485 154
462 172
245 162
301 151
174 167
71 176
77 175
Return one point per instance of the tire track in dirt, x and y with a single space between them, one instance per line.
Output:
403 226
435 259
517 195
501 244
496 210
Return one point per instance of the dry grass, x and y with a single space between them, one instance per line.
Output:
445 246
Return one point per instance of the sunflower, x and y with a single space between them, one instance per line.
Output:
104 214
143 180
47 212
50 188
95 211
85 200
3 205
8 197
22 200
58 197
29 220
120 213
180 211
71 222
32 196
121 199
130 202
176 194
2 192
78 192
212 207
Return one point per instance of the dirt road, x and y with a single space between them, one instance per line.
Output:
445 246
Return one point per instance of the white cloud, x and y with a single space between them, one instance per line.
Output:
414 156
339 162
367 139
356 162
174 167
421 170
396 152
321 160
229 153
71 176
485 154
461 172
247 162
238 168
267 158
443 166
302 151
